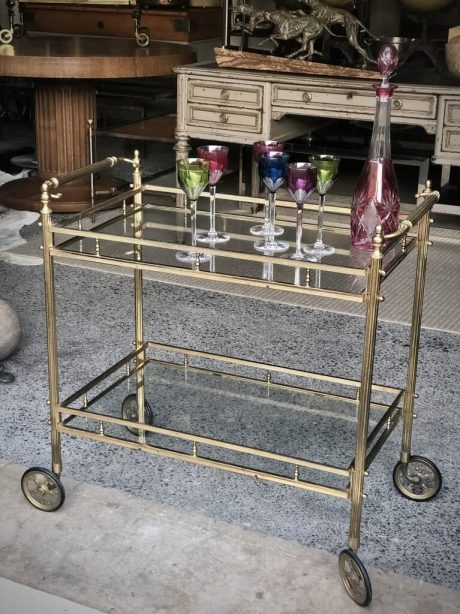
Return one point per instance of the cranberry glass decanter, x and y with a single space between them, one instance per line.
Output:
376 197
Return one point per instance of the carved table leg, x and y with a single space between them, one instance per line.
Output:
62 110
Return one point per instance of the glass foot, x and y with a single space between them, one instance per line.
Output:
216 237
263 229
190 257
271 246
296 256
319 250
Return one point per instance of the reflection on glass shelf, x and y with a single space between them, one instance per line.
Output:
167 227
224 406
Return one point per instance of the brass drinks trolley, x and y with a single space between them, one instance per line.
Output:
145 236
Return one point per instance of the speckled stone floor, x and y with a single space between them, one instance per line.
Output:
419 540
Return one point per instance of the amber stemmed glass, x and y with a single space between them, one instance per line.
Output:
217 156
193 175
263 147
327 170
301 182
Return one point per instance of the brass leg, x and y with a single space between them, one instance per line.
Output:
417 307
358 472
50 306
138 298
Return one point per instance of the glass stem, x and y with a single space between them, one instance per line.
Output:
271 216
298 232
266 212
212 210
319 239
193 221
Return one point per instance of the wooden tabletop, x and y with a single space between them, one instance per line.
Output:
80 57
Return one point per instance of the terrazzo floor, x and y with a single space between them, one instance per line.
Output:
418 540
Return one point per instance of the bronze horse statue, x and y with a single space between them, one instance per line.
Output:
303 27
297 26
329 16
288 25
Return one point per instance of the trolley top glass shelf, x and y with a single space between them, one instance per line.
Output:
149 235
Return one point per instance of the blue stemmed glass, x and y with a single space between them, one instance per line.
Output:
261 147
272 171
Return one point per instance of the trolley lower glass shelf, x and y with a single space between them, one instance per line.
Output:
239 417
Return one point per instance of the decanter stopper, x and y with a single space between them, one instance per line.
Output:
387 61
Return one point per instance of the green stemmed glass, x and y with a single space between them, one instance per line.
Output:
193 176
327 170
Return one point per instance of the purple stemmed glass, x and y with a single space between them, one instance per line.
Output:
217 156
301 182
263 147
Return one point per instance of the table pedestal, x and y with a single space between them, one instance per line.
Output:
62 110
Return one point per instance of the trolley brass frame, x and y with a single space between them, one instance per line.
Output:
367 443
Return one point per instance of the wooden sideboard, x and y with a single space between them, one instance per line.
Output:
242 106
181 25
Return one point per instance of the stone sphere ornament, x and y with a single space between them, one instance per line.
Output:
10 330
453 56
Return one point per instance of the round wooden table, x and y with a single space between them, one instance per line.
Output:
67 70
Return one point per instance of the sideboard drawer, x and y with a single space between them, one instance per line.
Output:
224 119
339 102
452 113
226 93
451 140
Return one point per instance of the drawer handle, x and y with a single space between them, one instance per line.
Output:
306 96
223 118
397 104
225 94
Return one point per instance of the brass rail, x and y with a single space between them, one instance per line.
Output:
206 462
209 441
55 182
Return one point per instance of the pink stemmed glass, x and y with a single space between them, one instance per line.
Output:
301 182
263 147
217 156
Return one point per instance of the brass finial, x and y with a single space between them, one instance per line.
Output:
377 242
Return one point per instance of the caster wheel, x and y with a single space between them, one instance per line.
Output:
129 412
6 36
143 37
354 577
43 489
421 481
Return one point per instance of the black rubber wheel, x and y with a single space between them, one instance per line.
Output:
420 480
354 577
43 489
129 412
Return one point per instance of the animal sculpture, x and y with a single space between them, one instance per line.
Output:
296 25
330 16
